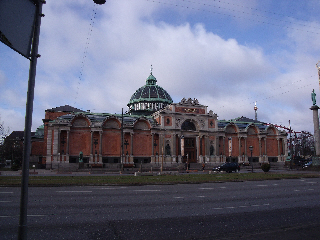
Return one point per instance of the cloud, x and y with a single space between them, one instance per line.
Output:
95 57
3 78
12 119
188 61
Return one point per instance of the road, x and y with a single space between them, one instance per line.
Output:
275 209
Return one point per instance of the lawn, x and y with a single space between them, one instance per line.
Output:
143 180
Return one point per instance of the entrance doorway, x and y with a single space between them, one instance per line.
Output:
190 149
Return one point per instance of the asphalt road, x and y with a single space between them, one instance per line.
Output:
276 209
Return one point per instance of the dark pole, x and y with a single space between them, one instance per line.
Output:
122 148
251 148
251 163
22 234
291 152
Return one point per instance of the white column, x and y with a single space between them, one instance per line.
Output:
198 147
55 144
49 149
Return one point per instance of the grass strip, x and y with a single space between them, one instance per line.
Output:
144 180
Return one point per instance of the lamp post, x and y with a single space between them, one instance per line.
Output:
187 162
122 142
100 2
251 148
291 151
161 169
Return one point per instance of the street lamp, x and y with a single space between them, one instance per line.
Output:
251 148
100 2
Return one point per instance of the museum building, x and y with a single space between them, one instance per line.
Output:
154 130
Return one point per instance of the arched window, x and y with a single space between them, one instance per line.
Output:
188 126
168 149
211 149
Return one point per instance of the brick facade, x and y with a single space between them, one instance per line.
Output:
167 134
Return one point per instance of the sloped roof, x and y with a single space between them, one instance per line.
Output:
246 120
18 135
128 120
242 123
65 108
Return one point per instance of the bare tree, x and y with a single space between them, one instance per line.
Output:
304 144
4 131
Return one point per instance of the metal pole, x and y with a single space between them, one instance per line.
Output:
188 162
251 149
251 163
22 233
161 169
122 141
291 152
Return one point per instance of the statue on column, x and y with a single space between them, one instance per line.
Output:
313 98
211 150
81 164
168 150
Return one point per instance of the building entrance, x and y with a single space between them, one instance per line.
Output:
190 149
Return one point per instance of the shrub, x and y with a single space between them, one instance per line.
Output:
15 167
265 167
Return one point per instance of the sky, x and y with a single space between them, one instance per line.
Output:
228 54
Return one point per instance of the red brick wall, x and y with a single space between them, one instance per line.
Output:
263 146
142 143
63 146
272 146
242 147
253 141
80 140
37 148
235 145
203 147
111 142
96 143
177 145
127 148
156 148
54 115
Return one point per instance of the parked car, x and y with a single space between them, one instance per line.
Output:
307 165
227 167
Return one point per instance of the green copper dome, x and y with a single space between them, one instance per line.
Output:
149 98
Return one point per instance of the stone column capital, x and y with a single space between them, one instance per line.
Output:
314 107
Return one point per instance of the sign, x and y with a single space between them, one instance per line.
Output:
190 110
17 19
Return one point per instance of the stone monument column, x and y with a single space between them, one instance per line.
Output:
315 109
316 129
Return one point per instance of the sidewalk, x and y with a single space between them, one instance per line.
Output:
44 172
